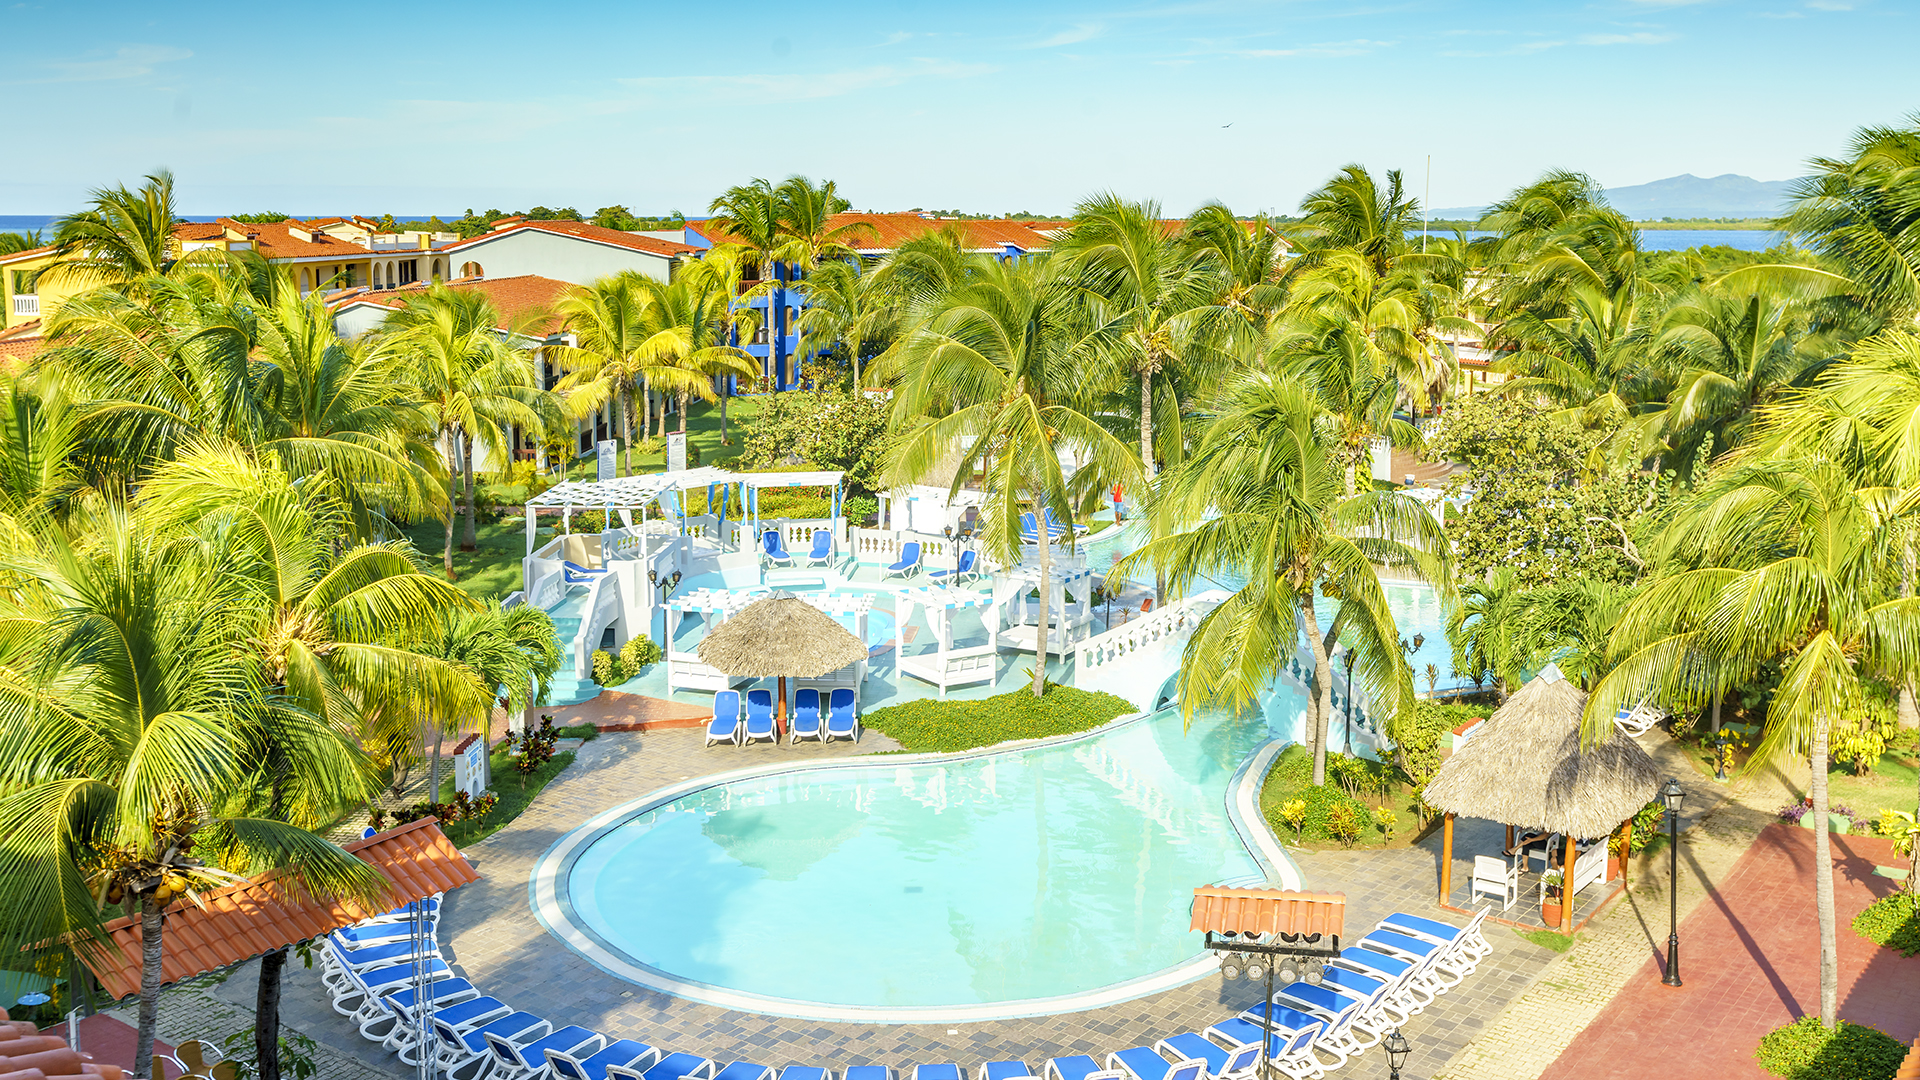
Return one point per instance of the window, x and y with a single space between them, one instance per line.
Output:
409 271
25 281
472 269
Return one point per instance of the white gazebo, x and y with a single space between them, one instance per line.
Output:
1018 615
947 666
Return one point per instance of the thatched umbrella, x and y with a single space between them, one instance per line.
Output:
779 636
1525 766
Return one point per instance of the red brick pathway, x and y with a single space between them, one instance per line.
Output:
1750 959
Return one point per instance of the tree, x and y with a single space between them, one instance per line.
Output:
994 375
831 429
606 317
1352 213
13 243
1783 561
134 713
1480 629
1152 312
1863 211
515 650
470 380
808 234
1246 253
851 315
122 237
1262 497
750 215
684 336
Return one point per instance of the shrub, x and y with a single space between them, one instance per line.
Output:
637 653
606 669
1322 802
1294 813
1901 827
1904 741
1806 1050
945 726
830 428
1343 821
859 509
1892 921
1386 819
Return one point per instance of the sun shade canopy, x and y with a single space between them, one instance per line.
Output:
268 912
1268 911
780 635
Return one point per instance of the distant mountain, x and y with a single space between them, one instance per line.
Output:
1683 196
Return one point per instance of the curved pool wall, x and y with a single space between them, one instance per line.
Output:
1018 881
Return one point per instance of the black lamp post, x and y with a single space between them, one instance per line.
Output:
1398 1050
1673 796
1347 660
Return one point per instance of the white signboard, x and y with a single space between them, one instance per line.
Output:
470 766
606 458
676 452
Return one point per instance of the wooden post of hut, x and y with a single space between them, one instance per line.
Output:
1566 887
1446 860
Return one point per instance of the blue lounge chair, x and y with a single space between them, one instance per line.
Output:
1057 528
842 723
744 1070
574 573
672 1067
1076 1067
512 1061
760 716
909 561
1293 1036
1002 1070
726 718
459 1048
869 1072
805 1072
822 551
464 1016
773 551
943 1071
1145 1063
806 715
626 1053
965 568
1221 1062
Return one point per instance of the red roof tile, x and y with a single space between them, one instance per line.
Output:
1268 911
17 343
30 253
885 232
25 1054
264 913
583 231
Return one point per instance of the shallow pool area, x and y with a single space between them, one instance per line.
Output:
983 883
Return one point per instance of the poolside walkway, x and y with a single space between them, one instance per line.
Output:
491 936
1750 962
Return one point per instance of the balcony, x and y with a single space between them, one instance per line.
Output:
26 307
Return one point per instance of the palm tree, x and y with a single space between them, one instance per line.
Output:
1480 629
1862 212
133 716
515 650
469 378
808 234
684 336
13 243
1247 255
1261 497
1782 562
1153 313
751 214
1351 213
850 311
994 374
605 317
122 237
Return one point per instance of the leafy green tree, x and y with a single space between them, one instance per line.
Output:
122 237
515 650
13 243
685 335
1262 498
831 429
1352 212
994 375
1863 211
851 315
1246 253
1781 561
1480 629
607 317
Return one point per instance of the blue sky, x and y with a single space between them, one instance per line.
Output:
432 107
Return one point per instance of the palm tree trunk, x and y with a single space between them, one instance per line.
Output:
726 391
467 539
266 1016
1146 421
433 769
152 926
1321 692
626 424
1823 878
684 398
453 508
1046 601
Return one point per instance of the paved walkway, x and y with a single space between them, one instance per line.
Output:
492 938
1750 962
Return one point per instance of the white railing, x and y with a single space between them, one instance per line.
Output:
549 590
883 545
1136 634
796 535
26 307
601 611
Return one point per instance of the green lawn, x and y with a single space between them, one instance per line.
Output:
946 726
703 431
516 794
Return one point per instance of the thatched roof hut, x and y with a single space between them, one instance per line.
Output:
781 635
1525 767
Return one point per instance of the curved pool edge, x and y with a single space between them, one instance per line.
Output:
1243 810
553 912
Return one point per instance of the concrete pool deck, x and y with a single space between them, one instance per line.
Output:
491 936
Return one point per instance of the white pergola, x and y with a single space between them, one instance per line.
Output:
623 493
1013 586
947 666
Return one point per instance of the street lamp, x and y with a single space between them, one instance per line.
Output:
1398 1050
1673 797
1347 660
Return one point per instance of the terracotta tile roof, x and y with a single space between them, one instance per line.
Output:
583 231
262 914
18 343
25 1054
885 232
30 253
1268 911
511 297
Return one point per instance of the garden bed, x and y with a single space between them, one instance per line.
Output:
516 792
1375 797
948 726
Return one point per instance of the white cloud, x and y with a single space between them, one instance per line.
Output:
1641 38
897 37
1073 36
1356 47
127 62
756 87
1829 5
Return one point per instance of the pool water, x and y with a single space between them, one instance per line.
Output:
1020 875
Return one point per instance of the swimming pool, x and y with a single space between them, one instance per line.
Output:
989 886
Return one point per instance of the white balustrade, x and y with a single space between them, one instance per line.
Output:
1132 636
26 307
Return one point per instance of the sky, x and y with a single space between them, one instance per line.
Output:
429 107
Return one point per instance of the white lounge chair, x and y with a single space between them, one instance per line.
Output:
1637 720
1495 877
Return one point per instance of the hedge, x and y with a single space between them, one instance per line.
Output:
1806 1050
945 726
1893 921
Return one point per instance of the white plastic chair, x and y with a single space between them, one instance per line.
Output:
1495 877
1636 721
